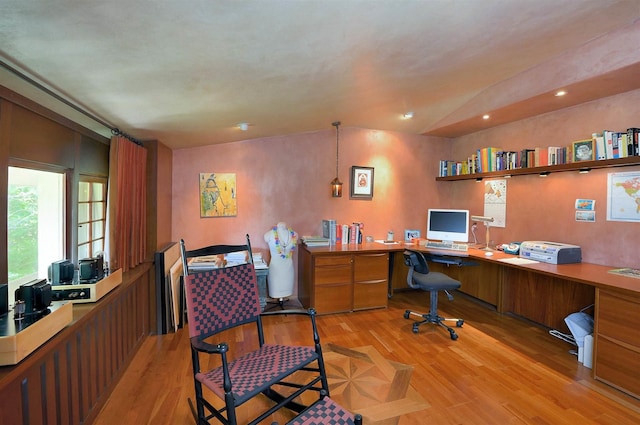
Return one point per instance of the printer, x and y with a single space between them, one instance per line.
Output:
551 252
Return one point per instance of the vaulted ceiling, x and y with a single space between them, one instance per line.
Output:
188 72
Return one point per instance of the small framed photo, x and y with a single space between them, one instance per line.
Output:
585 204
361 182
410 235
586 216
583 150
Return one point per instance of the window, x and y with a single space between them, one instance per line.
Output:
91 216
35 224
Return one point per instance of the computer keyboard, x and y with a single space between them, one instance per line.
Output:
453 246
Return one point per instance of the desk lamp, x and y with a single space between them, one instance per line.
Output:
486 221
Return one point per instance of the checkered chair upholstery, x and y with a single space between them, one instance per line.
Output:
219 299
326 412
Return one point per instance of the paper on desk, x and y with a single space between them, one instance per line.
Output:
518 260
387 242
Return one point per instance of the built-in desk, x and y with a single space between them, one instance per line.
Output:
543 293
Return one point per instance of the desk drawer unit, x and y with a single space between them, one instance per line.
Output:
370 280
617 346
333 287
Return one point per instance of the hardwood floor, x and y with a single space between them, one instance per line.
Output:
501 370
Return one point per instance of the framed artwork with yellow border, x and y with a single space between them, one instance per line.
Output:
218 195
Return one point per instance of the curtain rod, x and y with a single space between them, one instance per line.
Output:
114 130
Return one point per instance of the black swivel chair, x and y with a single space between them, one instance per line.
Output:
420 277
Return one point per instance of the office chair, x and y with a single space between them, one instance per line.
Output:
222 298
420 277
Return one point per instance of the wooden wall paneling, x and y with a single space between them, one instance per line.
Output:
68 379
48 390
5 120
93 157
36 138
72 378
62 386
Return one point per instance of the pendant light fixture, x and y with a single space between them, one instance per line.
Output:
336 184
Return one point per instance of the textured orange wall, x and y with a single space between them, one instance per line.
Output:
543 208
287 178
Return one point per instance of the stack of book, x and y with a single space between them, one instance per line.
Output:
315 241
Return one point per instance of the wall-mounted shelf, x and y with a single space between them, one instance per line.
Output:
574 166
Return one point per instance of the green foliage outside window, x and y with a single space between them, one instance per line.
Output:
23 227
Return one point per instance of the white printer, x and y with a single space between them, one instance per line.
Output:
551 252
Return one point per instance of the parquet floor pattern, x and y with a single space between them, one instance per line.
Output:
368 383
501 370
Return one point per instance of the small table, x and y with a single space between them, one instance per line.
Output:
262 274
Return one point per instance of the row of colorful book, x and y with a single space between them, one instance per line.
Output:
605 145
614 144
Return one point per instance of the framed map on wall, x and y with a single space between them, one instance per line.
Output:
218 195
623 196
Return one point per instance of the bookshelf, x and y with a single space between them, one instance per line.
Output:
574 166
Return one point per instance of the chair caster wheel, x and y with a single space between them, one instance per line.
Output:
459 323
454 335
415 329
406 314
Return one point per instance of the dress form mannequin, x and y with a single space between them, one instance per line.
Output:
282 242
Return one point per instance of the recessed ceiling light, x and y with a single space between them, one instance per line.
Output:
560 93
408 115
486 116
243 126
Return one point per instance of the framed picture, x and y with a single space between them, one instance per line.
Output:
583 150
361 182
218 195
410 235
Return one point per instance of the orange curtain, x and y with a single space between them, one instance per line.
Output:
126 204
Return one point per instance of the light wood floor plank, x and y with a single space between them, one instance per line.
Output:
501 370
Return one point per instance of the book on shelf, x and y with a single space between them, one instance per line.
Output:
606 145
541 157
599 146
616 144
487 158
526 158
632 141
556 155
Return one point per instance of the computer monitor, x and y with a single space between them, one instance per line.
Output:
448 225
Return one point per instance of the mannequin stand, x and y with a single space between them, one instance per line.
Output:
284 303
271 305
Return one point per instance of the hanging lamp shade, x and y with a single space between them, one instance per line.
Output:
336 184
336 188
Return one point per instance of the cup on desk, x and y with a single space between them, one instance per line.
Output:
415 241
